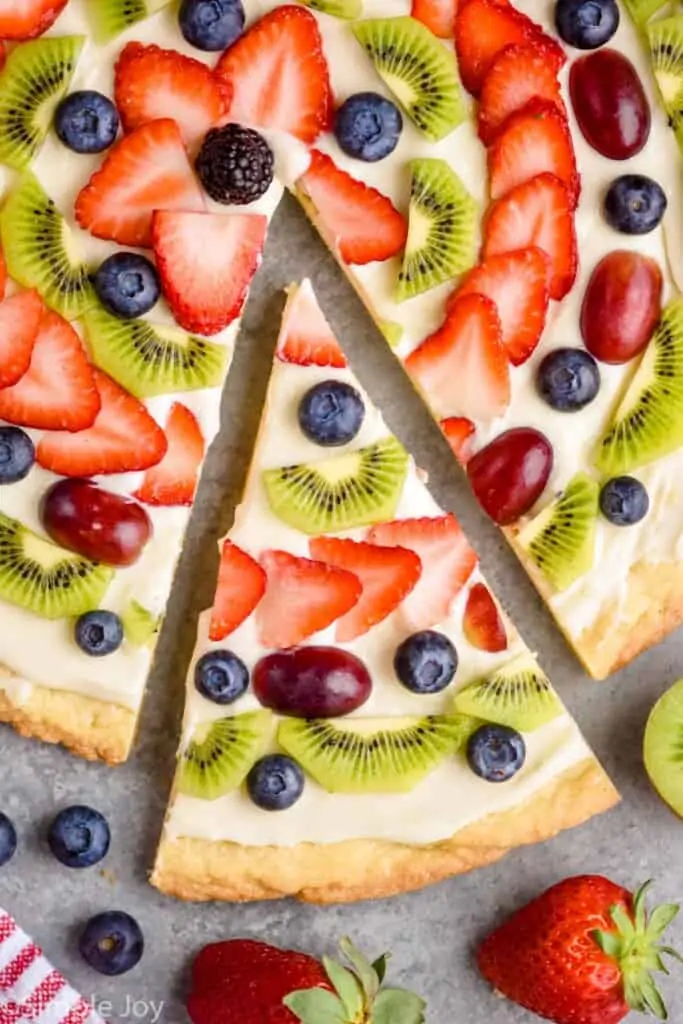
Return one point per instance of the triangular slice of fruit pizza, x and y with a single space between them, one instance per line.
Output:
361 718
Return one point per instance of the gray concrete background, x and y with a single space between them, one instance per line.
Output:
432 933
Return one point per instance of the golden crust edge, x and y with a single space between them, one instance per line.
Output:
652 605
90 728
360 869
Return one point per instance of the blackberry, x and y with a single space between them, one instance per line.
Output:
235 164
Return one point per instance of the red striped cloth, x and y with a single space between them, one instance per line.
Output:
31 990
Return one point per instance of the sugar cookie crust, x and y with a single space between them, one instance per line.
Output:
200 869
90 728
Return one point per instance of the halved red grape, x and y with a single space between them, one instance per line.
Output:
98 524
508 475
621 306
312 682
610 103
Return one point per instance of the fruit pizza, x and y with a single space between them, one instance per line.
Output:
361 716
133 218
502 185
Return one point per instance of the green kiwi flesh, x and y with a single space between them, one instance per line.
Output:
641 11
392 331
111 17
44 578
348 9
34 79
648 423
140 626
665 40
373 755
517 694
354 489
150 359
418 69
220 753
443 225
561 540
40 250
663 747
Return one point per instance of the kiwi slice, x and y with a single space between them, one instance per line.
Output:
342 492
561 540
382 755
150 359
443 223
663 747
392 331
47 579
34 79
665 40
349 9
220 754
648 423
111 17
641 11
517 694
140 626
420 71
40 249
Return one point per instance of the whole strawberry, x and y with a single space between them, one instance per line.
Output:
255 983
581 953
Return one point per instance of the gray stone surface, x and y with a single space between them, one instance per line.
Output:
432 933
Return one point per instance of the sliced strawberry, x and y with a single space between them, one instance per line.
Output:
20 317
151 84
241 585
387 575
437 15
485 27
302 597
123 438
173 481
306 337
147 170
447 560
459 432
536 213
462 368
518 74
26 19
206 262
517 284
356 219
58 391
278 75
482 622
3 54
532 141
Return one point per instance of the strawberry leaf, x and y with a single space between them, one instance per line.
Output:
398 1006
347 986
380 966
367 975
660 919
316 1006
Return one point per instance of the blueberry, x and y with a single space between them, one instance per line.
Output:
221 676
79 837
275 782
634 204
127 285
496 752
426 662
112 942
624 501
235 164
586 24
211 24
368 126
8 839
568 379
86 122
331 413
99 633
17 455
